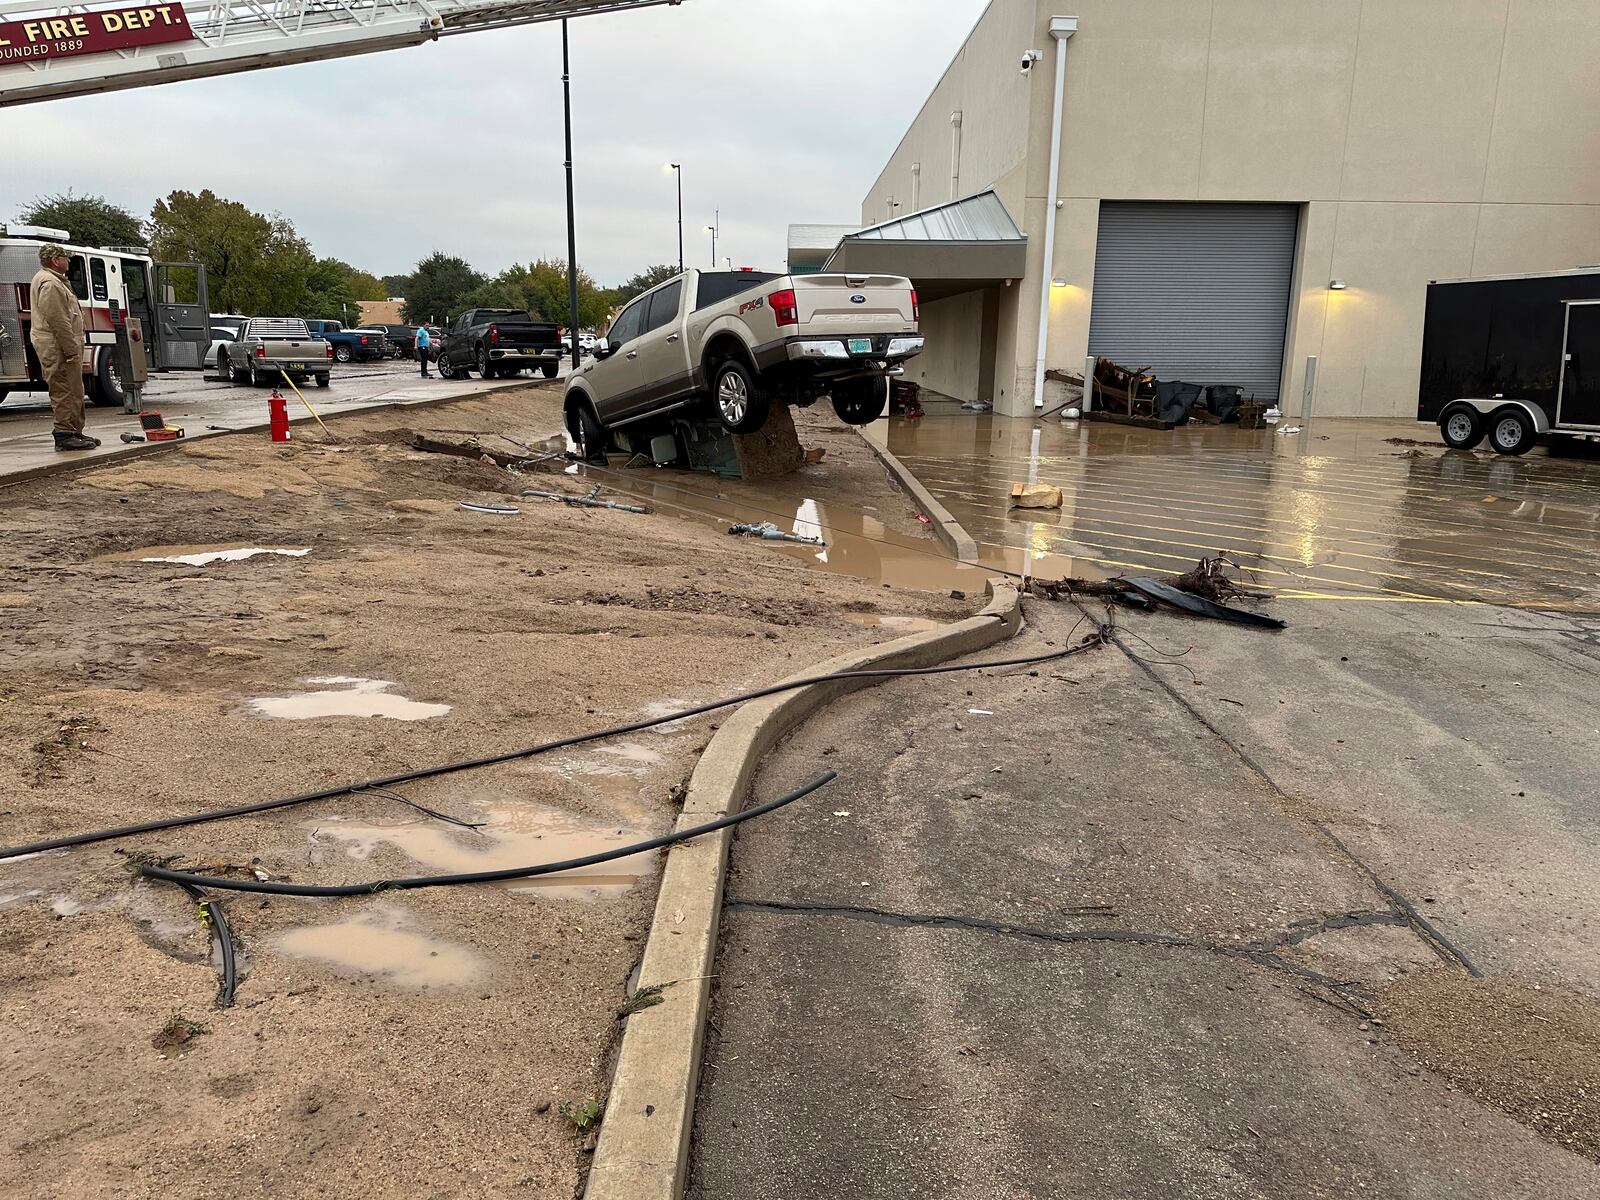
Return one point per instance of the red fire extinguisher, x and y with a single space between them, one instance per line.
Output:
278 410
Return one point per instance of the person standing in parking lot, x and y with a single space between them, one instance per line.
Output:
423 342
57 337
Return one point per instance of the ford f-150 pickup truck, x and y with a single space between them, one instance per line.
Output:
745 340
268 345
499 341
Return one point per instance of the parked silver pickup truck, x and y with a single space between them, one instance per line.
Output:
269 345
741 341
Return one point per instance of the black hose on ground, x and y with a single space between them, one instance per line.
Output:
219 922
219 814
193 883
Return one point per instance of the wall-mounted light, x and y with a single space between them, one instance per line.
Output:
1058 282
1337 285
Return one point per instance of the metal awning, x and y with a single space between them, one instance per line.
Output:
945 250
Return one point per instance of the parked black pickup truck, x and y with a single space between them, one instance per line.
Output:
498 342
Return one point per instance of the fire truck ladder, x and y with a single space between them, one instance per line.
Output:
249 35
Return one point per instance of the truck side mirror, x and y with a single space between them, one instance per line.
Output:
602 349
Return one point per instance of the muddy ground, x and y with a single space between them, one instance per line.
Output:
410 1043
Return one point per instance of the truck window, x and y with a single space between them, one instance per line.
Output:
664 305
627 325
97 279
716 287
77 278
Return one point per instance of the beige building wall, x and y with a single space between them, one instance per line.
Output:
1424 139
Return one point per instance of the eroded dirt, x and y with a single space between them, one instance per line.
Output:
349 1063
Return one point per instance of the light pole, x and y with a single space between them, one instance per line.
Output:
713 229
678 169
572 230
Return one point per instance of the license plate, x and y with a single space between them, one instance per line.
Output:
860 345
297 366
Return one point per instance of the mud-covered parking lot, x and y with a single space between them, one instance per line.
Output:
401 1043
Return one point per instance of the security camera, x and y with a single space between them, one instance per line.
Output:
1028 59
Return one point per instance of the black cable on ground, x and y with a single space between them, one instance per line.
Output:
219 922
193 883
219 814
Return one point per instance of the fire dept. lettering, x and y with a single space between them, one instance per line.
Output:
94 32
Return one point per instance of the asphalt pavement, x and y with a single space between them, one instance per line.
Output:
1116 930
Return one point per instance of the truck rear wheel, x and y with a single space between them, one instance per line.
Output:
549 369
250 376
343 353
741 401
861 401
1462 427
1511 431
322 379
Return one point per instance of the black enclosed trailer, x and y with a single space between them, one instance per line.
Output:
1512 358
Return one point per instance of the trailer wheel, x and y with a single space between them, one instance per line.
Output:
1511 431
1462 427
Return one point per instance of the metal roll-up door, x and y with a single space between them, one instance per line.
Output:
1197 292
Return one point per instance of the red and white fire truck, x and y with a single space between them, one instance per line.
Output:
168 299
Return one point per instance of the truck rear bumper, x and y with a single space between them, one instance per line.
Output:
527 354
840 350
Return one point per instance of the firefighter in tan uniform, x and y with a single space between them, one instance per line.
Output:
57 337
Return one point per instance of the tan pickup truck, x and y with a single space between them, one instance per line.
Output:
742 341
269 347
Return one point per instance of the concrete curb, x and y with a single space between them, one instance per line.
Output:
140 449
643 1153
945 527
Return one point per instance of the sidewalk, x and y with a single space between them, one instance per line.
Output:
197 401
1081 948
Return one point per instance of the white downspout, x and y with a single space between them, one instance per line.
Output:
955 155
1061 28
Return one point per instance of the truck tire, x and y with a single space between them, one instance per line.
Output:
106 384
739 398
485 368
861 401
1511 431
442 365
322 379
1462 427
587 431
342 353
549 369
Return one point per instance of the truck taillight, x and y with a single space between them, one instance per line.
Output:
913 304
494 335
261 351
329 349
363 339
784 309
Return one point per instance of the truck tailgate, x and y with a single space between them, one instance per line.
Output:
828 303
295 350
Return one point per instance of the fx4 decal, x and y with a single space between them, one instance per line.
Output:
758 302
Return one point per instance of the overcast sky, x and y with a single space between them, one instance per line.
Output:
779 110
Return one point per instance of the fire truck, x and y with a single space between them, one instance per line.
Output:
168 299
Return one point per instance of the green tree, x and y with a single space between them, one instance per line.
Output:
255 264
396 285
90 220
436 288
643 282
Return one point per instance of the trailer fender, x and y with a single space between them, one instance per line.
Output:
1486 408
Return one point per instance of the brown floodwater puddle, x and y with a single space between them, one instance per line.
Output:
376 945
514 834
859 544
346 696
200 556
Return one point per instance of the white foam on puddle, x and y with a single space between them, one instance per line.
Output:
238 554
355 697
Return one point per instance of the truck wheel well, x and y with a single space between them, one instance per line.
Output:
723 347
